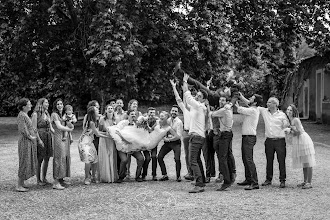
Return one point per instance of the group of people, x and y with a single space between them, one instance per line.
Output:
108 141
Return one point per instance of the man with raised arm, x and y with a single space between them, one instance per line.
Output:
186 123
249 139
198 112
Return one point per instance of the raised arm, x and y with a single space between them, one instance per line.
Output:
177 96
242 98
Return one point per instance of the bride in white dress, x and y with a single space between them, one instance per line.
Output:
132 138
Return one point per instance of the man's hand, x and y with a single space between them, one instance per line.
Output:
185 77
237 104
208 83
173 83
228 106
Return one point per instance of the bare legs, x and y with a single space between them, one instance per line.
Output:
88 168
308 173
42 181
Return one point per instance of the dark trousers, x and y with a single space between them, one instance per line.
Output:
216 144
150 155
186 138
196 143
166 148
248 142
208 153
123 163
227 160
278 146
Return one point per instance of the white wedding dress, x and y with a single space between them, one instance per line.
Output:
131 138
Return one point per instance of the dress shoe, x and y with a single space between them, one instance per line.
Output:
307 186
119 181
301 184
267 183
244 183
139 179
233 177
219 179
164 178
189 177
21 189
197 189
207 179
58 186
87 181
223 187
251 187
178 179
154 178
282 184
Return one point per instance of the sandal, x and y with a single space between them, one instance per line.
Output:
41 183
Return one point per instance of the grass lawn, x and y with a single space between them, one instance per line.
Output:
167 200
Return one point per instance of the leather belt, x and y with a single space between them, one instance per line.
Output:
276 139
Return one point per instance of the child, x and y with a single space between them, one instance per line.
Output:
303 153
69 119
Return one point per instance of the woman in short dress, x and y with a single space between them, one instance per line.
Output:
303 153
27 145
61 148
107 149
87 150
41 122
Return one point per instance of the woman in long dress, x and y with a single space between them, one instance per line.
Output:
41 122
107 149
87 150
303 152
61 148
27 145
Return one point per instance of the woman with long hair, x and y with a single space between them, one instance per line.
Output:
27 145
41 122
303 152
61 148
107 149
87 150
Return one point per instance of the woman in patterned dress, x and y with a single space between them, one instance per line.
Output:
107 150
95 138
41 122
61 157
87 151
27 145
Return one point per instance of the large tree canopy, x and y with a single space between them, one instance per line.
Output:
83 49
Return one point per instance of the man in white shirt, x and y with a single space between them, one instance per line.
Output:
123 156
198 112
150 155
186 123
249 139
172 143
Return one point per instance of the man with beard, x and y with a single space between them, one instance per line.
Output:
172 143
151 123
249 138
137 154
224 144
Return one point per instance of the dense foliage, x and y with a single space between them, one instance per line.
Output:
87 49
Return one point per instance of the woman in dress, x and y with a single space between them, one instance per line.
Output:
61 148
96 140
87 150
107 150
303 153
27 145
41 122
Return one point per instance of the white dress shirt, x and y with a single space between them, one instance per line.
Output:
197 115
274 123
250 121
176 125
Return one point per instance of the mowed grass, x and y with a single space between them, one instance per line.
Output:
166 200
